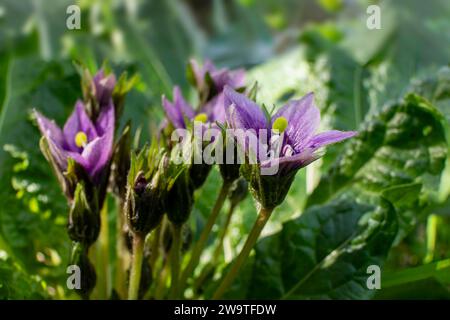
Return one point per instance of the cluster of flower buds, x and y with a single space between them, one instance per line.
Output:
146 191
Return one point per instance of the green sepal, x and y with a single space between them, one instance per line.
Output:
268 190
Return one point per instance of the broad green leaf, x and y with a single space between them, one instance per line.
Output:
404 143
323 254
436 89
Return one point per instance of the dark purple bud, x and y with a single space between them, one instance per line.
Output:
144 206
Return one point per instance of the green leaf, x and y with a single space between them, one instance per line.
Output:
16 283
436 89
403 144
429 289
323 254
439 270
33 221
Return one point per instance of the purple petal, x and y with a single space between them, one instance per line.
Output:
200 71
97 154
56 142
60 155
178 110
288 163
104 87
215 108
78 122
173 114
106 119
49 129
329 137
223 77
208 66
237 78
303 120
181 104
243 113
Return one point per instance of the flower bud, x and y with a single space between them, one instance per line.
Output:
198 174
180 199
143 206
230 171
84 219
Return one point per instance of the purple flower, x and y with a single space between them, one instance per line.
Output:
213 109
291 141
87 143
103 87
178 110
220 77
298 120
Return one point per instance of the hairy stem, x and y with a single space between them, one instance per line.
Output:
263 217
136 266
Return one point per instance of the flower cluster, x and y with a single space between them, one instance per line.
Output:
155 193
80 154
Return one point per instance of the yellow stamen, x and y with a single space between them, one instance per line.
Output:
280 124
81 139
202 117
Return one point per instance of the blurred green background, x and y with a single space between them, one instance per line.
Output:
289 46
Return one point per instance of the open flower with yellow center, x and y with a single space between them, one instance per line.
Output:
87 143
213 108
293 128
297 121
179 111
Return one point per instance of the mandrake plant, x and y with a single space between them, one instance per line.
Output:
156 192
